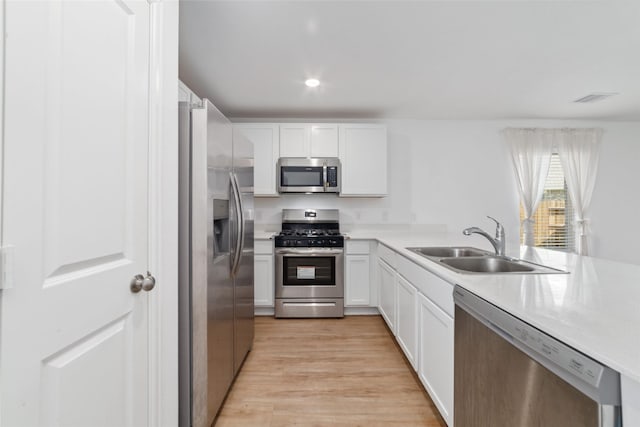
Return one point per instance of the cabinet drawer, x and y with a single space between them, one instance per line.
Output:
433 287
358 247
263 247
388 255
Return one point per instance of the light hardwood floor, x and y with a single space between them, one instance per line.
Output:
326 372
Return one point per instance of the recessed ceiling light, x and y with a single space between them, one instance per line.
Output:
594 97
312 82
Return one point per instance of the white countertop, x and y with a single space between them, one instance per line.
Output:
595 308
264 235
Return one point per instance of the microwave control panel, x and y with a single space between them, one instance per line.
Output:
332 176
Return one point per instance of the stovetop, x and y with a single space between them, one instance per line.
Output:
306 228
306 238
310 233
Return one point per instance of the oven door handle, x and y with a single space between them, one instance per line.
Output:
310 251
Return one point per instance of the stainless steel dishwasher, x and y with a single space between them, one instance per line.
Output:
510 374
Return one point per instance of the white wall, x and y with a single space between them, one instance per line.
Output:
457 172
616 198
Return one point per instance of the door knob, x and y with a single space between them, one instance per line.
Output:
149 282
136 283
140 283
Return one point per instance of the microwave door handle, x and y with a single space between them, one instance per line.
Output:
324 176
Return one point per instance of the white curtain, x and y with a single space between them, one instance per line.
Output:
579 151
530 153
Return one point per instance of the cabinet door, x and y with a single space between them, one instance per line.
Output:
363 154
435 367
357 280
324 140
265 138
263 279
294 140
407 324
388 285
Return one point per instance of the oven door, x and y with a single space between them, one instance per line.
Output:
309 273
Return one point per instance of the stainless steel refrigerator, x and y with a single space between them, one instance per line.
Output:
216 260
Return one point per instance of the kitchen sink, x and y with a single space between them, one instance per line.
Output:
466 260
448 251
495 264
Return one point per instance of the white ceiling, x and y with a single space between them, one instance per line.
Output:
413 59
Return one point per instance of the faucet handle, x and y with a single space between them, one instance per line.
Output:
499 227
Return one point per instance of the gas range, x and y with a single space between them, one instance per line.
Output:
309 264
310 229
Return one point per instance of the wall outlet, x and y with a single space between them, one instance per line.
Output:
385 216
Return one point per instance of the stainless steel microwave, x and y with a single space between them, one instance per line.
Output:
305 175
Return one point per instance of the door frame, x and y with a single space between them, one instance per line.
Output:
2 54
163 213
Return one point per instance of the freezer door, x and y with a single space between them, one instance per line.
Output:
216 163
243 277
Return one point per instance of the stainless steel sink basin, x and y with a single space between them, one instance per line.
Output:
448 251
466 260
495 265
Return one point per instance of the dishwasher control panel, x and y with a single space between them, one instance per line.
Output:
517 331
562 355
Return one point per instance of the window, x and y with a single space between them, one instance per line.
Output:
554 217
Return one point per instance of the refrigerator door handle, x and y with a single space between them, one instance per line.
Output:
242 224
239 243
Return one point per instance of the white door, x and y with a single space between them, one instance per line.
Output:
73 336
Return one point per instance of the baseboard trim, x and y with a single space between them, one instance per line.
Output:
348 311
361 311
264 311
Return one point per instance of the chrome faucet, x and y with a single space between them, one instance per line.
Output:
498 242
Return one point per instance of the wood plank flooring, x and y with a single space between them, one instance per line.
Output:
326 372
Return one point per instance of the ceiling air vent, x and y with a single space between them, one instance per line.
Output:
595 97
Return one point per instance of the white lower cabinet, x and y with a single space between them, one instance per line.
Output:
630 401
407 324
263 273
387 301
357 274
357 288
418 307
435 367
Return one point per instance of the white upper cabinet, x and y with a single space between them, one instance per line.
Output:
363 155
324 140
294 140
308 140
361 148
265 138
